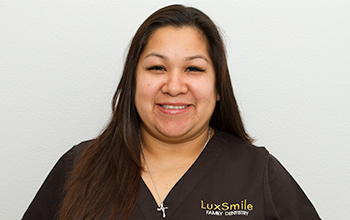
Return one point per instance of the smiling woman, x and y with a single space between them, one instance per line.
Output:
176 147
175 98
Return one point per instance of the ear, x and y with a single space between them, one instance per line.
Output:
218 97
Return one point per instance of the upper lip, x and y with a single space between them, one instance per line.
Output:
173 104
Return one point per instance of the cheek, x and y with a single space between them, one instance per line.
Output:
205 91
142 85
145 93
139 94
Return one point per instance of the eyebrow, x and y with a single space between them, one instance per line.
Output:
186 59
196 57
156 55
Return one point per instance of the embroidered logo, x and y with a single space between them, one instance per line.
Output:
243 208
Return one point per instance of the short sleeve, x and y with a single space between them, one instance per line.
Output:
46 202
284 199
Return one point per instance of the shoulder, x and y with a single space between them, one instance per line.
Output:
239 150
77 150
46 202
71 156
241 159
67 161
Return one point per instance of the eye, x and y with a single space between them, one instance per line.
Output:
156 67
194 69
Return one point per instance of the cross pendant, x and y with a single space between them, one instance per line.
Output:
162 208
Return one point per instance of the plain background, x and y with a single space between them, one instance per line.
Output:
60 62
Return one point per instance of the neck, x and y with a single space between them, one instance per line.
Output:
174 152
164 165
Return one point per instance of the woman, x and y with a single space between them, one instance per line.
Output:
176 147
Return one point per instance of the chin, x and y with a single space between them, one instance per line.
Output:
174 132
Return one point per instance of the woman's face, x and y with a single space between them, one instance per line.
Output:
175 84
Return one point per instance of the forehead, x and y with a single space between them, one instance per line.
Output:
168 37
185 28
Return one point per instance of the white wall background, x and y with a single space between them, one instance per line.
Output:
60 62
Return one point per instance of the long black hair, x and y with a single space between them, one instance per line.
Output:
107 175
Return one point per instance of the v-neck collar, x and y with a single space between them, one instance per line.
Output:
147 204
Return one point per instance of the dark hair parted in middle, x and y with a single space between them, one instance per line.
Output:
107 174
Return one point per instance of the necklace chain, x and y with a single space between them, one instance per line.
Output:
161 208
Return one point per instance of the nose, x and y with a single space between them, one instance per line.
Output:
174 84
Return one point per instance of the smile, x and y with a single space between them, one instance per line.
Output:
174 106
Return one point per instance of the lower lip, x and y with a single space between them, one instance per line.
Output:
173 111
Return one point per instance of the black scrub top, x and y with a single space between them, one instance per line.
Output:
231 179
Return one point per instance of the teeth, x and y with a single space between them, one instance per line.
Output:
174 106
